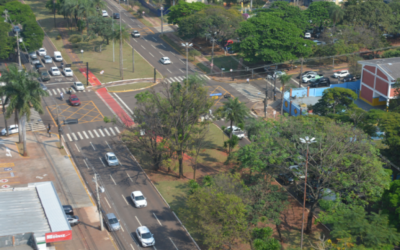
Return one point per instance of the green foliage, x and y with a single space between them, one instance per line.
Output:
354 66
391 53
100 26
318 13
183 10
194 53
263 240
335 100
234 111
371 230
75 38
231 143
7 43
389 203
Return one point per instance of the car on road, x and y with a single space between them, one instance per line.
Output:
13 129
135 33
311 78
342 73
286 179
47 59
74 100
55 71
79 86
145 237
68 210
112 222
33 55
138 199
73 220
319 42
111 159
38 66
321 82
349 78
104 13
307 35
165 60
44 75
42 52
235 131
16 29
43 86
307 73
35 61
58 56
68 72
116 16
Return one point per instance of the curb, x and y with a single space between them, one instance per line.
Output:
131 90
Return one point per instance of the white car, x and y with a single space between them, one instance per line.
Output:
342 73
235 131
68 72
13 129
104 13
307 35
111 159
138 199
135 33
55 71
79 86
311 78
165 60
145 237
48 59
35 61
42 52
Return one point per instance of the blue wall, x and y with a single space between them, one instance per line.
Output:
294 111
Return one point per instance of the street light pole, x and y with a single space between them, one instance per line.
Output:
212 55
19 55
120 45
112 25
98 203
187 45
307 141
162 19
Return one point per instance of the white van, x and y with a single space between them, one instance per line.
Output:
57 56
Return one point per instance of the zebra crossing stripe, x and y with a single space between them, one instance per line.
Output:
180 78
96 133
101 132
54 91
69 137
59 91
105 129
208 78
117 130
169 81
62 137
80 136
50 94
112 131
90 133
74 136
84 133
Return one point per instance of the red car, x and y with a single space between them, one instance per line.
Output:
74 100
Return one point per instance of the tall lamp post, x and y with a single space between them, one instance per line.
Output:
162 19
307 141
187 45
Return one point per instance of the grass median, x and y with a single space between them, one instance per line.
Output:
98 60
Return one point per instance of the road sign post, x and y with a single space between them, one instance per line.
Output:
155 75
87 73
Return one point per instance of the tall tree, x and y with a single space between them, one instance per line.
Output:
21 91
183 10
121 33
336 13
263 240
389 203
318 13
335 100
6 42
284 80
100 26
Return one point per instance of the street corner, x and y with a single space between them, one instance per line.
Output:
8 148
219 94
85 113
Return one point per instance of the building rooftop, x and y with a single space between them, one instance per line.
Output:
390 65
311 100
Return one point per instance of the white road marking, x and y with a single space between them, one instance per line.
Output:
206 77
92 146
138 221
96 133
80 136
182 71
135 40
161 53
132 247
155 39
143 47
84 133
180 78
169 71
90 133
117 130
107 202
157 219
173 243
108 145
272 85
151 54
126 106
129 176
153 46
104 165
162 45
59 91
77 148
69 137
112 131
54 91
74 136
122 229
101 132
50 94
169 81
125 200
86 164
105 130
113 180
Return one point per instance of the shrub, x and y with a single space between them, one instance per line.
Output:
58 37
75 39
193 53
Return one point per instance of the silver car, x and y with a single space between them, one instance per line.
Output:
48 59
112 222
35 61
111 159
33 55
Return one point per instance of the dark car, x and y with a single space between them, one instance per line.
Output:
68 210
321 82
286 179
116 15
44 75
39 66
74 100
349 78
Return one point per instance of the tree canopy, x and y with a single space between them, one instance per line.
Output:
183 10
335 100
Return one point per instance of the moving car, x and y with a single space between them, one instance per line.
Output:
55 71
58 56
13 129
68 210
145 237
33 55
42 52
235 131
68 72
74 100
112 222
116 16
104 13
165 60
307 35
111 159
44 75
307 73
73 220
341 73
311 77
79 86
48 59
38 66
138 199
135 33
321 82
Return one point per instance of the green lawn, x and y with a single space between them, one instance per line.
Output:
227 62
132 86
97 60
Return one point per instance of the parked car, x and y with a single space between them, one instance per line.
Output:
341 73
286 179
74 100
111 159
33 55
165 60
307 35
44 75
58 56
104 13
13 129
235 131
68 210
321 82
135 33
38 66
73 220
138 199
55 71
145 237
42 52
319 42
43 86
311 77
349 78
307 73
35 61
47 59
116 16
68 72
79 86
112 222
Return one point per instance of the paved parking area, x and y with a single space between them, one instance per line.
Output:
85 113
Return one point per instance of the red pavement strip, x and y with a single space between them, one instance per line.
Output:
125 118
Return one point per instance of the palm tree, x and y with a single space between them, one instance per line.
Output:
284 79
22 92
336 13
234 111
121 33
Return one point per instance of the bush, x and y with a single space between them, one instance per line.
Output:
193 53
141 9
75 39
58 37
391 53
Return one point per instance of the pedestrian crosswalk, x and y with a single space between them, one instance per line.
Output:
57 91
181 78
90 134
249 91
35 122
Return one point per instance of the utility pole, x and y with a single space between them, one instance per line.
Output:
266 102
212 55
276 67
162 21
4 111
155 75
121 70
187 45
98 203
112 24
133 60
59 130
87 73
19 55
54 11
301 72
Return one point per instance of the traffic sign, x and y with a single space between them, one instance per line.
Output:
216 94
77 62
